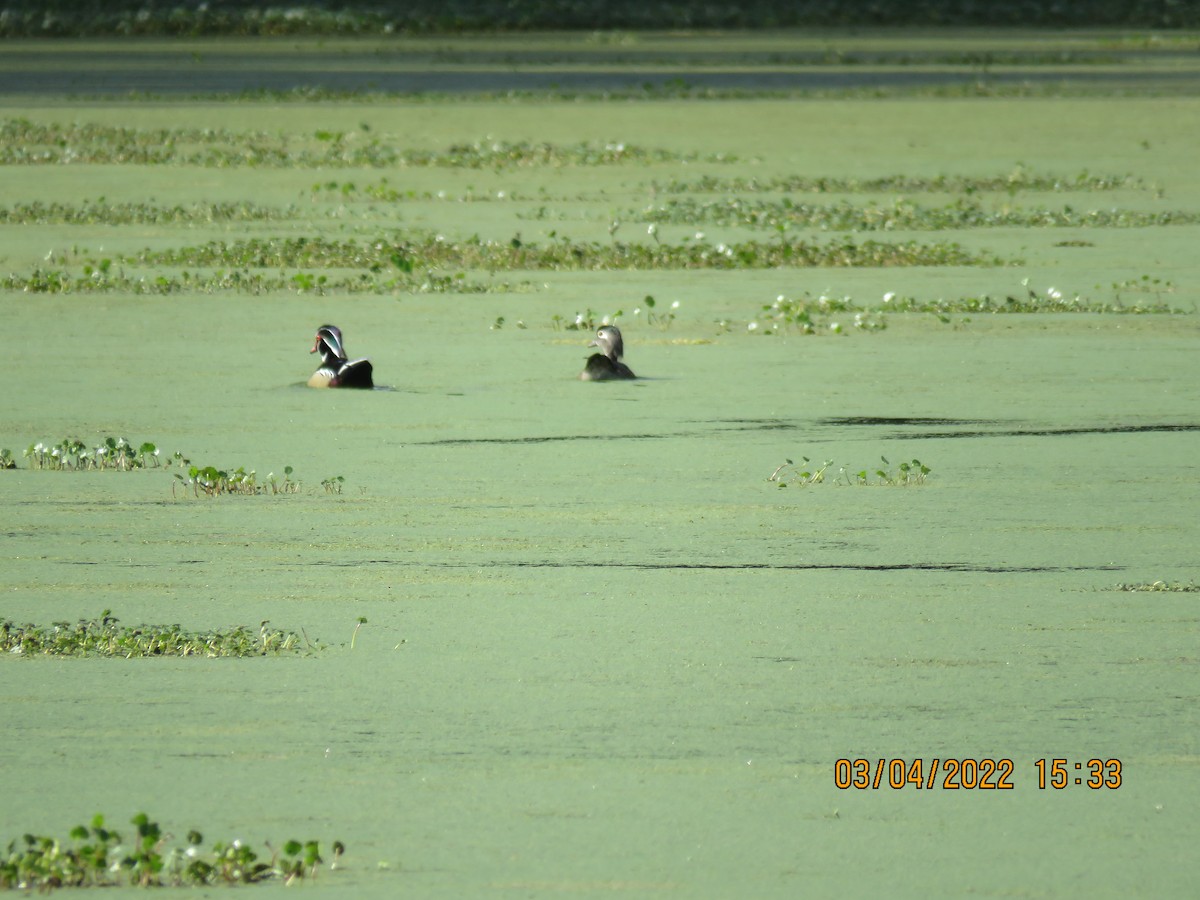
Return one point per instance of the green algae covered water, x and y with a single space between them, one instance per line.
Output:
603 652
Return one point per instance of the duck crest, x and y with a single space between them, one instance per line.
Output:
336 369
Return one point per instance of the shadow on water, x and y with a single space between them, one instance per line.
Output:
733 567
971 427
926 428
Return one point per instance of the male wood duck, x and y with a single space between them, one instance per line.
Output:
336 370
607 365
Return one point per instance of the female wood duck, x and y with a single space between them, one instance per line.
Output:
607 365
336 370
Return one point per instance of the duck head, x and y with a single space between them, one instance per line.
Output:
329 344
608 339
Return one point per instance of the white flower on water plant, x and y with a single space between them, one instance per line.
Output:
675 305
889 296
753 326
1054 293
835 327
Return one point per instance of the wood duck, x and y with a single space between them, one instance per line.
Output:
336 370
607 364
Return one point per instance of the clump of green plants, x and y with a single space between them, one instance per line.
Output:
435 252
588 320
902 474
799 474
382 191
123 455
212 482
899 215
662 320
1029 300
242 281
107 637
807 314
433 264
1018 179
802 474
1147 284
104 212
112 453
24 142
812 315
1173 587
95 856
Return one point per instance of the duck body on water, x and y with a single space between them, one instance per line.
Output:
336 369
606 365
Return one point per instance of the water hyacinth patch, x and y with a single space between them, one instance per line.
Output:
105 637
95 856
117 454
23 142
123 455
1161 587
104 212
808 314
1019 179
562 254
419 264
212 482
903 474
899 215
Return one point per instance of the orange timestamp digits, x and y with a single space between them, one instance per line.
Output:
984 774
1061 773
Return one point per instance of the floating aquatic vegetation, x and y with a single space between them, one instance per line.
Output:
102 212
212 482
801 474
121 454
106 637
112 453
810 315
435 252
1171 587
95 856
24 142
1019 179
899 215
94 280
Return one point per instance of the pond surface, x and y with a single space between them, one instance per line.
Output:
603 652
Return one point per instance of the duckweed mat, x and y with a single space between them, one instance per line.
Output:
571 637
